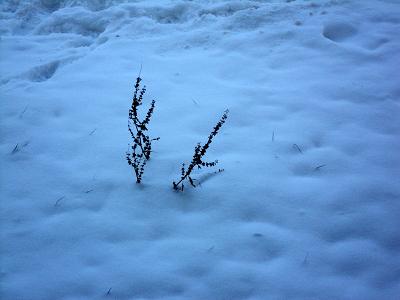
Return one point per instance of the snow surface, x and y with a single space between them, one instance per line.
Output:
308 206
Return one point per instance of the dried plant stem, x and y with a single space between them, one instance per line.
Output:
197 159
140 149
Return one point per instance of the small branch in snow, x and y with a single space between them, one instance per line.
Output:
16 149
58 200
295 146
195 102
319 167
23 112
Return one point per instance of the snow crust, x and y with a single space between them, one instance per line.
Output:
308 206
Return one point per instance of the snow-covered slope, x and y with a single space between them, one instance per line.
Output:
308 206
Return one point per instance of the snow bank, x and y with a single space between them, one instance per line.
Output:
307 207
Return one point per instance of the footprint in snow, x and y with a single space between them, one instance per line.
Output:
339 31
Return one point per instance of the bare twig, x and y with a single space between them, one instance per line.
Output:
319 167
58 200
23 112
297 148
195 102
16 149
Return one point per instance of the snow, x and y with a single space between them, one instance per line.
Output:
308 204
